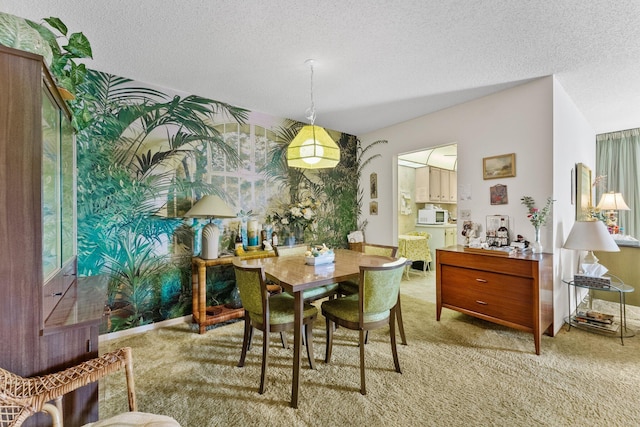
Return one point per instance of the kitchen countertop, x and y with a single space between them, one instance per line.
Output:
437 225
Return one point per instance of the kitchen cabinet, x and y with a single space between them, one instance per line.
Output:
38 219
422 185
436 185
441 236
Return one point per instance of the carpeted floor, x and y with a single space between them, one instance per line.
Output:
457 372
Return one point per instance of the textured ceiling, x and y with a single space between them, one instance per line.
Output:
378 62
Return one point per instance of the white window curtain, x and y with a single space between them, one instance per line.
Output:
618 157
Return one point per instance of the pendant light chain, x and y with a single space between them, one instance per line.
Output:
311 112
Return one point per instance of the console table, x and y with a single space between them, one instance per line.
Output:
203 315
514 290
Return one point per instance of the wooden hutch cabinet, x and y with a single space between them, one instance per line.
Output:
42 328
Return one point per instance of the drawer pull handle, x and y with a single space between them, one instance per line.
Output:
56 294
481 280
481 302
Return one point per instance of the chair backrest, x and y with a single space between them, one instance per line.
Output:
383 250
380 286
291 250
252 287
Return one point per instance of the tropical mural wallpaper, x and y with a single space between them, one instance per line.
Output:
145 155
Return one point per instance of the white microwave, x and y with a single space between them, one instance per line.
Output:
433 216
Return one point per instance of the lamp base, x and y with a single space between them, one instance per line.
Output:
210 241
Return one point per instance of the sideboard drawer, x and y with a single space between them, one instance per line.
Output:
497 295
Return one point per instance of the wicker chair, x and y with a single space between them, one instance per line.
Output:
350 287
22 397
373 307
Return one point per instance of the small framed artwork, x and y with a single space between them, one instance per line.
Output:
583 192
503 166
373 178
373 208
499 195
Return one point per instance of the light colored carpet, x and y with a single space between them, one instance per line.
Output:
457 372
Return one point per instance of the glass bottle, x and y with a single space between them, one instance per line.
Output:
503 234
239 239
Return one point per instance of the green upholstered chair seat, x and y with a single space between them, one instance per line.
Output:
348 287
319 292
347 308
281 310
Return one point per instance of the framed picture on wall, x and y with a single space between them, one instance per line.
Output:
498 194
502 166
584 192
373 178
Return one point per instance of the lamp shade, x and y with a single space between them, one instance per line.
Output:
590 236
612 202
210 207
313 148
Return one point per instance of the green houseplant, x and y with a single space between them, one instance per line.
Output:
52 40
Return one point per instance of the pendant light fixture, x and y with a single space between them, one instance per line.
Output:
312 148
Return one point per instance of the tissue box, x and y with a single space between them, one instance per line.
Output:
320 259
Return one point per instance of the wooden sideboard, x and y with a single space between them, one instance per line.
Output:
514 291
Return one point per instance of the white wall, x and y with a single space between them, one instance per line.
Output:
523 120
574 142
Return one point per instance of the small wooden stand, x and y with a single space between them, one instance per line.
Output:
203 315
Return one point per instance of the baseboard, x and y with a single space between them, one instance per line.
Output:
144 328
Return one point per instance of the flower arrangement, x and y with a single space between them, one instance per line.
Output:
538 217
297 216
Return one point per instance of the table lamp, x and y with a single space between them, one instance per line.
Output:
210 207
590 236
612 202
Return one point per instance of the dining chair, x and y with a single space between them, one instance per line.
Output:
313 294
350 287
267 313
22 397
373 307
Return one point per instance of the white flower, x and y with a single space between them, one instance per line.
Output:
295 211
285 221
308 213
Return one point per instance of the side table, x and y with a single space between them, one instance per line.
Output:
621 288
203 315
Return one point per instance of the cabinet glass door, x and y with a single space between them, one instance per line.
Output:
51 256
68 167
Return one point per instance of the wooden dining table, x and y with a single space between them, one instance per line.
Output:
294 275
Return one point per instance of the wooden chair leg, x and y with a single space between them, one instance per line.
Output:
392 333
329 342
363 387
283 339
265 359
309 334
246 341
131 387
400 324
